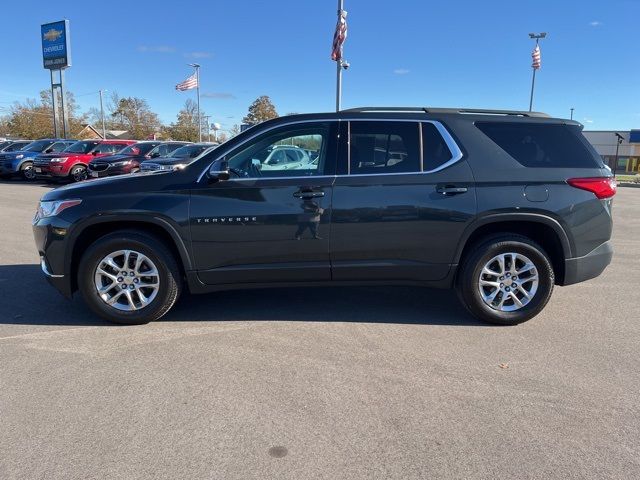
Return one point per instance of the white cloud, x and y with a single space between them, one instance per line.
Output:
587 120
198 55
156 48
401 71
595 23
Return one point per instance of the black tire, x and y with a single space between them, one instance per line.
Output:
148 245
78 173
468 288
27 172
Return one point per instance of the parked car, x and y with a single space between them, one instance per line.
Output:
284 157
126 160
179 158
165 149
71 164
14 145
20 162
500 205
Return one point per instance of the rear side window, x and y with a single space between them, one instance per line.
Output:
384 147
541 145
434 148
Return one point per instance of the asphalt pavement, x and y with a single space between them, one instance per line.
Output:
331 383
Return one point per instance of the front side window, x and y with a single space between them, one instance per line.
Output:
379 147
289 152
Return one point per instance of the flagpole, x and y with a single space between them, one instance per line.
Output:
537 38
339 66
197 67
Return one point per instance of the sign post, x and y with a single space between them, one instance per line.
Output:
56 57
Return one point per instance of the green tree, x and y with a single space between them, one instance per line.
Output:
260 110
185 127
34 119
134 115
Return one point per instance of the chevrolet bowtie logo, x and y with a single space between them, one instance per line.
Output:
52 35
225 219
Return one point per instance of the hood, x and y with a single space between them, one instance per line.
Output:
114 158
10 155
170 161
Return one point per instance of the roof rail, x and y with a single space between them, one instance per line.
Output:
481 111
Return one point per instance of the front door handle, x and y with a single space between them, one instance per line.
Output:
450 189
309 194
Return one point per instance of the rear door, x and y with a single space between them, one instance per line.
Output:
403 196
267 225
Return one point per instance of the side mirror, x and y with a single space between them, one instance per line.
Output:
155 154
219 171
94 153
48 150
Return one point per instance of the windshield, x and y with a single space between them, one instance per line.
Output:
189 151
82 147
137 149
37 146
16 146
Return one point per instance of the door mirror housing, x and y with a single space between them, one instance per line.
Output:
219 171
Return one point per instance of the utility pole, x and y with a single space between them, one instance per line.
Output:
572 109
104 129
197 67
535 67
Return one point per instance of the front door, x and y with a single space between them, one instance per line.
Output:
400 203
270 222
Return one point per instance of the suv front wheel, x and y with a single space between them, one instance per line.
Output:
507 279
129 277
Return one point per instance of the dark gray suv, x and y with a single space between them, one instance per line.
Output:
501 205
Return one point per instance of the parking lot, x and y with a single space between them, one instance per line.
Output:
325 383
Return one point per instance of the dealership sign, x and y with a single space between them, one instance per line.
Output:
56 47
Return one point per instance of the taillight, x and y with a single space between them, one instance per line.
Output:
601 187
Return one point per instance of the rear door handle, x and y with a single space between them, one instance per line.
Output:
450 189
309 194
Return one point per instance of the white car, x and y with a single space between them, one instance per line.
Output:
285 157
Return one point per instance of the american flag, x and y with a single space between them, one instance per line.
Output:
535 55
339 36
188 84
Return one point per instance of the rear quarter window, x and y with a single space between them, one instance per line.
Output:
540 145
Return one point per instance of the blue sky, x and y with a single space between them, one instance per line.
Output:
406 52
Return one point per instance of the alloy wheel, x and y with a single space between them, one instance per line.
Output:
127 280
508 282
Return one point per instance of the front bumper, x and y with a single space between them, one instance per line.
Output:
590 266
112 170
8 168
49 235
50 170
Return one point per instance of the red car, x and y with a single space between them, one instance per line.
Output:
72 162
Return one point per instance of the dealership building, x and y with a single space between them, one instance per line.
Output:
605 142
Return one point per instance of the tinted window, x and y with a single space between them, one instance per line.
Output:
435 149
58 147
81 147
384 147
16 146
284 153
37 146
138 149
541 145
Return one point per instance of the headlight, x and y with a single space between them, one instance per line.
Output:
121 164
51 209
18 157
60 159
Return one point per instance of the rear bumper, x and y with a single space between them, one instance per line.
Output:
590 266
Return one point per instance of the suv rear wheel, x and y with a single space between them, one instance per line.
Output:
507 279
129 277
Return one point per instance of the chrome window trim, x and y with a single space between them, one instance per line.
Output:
455 150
